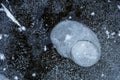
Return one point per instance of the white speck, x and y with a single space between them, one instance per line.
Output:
32 24
2 56
81 7
114 41
70 17
22 28
107 32
68 37
34 75
92 14
6 35
118 7
15 78
113 33
45 48
46 24
8 13
119 33
13 57
4 69
102 75
1 36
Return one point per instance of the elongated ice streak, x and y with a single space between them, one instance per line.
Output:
9 14
1 9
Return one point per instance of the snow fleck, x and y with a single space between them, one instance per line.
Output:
2 56
16 78
4 69
102 75
1 36
108 33
114 41
45 48
22 28
81 7
113 33
34 75
68 37
32 24
92 14
6 35
70 17
119 33
13 57
46 24
118 7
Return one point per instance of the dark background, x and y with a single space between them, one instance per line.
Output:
24 51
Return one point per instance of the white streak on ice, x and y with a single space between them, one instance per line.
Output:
8 13
1 9
118 7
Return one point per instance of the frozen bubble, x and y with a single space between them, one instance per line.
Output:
85 53
75 41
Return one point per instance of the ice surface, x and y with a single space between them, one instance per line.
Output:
2 77
106 15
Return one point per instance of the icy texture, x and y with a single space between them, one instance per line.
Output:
2 77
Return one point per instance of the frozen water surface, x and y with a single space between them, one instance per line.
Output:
28 50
